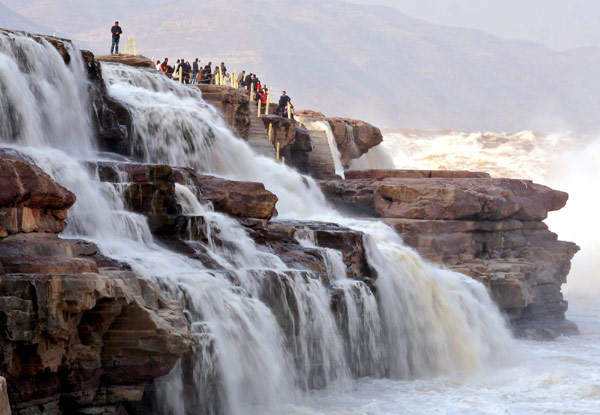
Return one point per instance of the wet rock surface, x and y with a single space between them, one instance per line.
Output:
137 61
79 331
30 201
150 189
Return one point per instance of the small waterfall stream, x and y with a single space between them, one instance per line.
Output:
258 348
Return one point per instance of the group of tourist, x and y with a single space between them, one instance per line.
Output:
194 73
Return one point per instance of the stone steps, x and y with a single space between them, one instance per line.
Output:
258 137
320 159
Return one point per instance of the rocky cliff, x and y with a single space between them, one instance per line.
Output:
79 331
490 229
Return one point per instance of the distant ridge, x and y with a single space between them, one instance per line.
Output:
373 63
10 19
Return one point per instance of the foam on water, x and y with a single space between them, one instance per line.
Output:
257 352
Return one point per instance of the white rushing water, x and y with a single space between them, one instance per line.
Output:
258 352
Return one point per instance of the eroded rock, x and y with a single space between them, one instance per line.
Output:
489 229
446 198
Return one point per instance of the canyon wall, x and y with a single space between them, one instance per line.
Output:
78 330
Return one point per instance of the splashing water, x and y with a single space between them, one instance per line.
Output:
256 350
387 264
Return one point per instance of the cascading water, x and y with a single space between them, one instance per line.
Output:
256 351
414 349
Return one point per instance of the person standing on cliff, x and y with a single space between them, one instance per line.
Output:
284 100
116 35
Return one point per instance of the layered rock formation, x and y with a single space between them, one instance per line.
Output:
150 189
80 332
137 61
490 229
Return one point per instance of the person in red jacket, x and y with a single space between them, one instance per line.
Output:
263 94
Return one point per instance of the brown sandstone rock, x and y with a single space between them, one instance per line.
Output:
284 130
150 189
137 61
233 104
413 174
441 198
30 201
24 185
72 330
489 229
243 199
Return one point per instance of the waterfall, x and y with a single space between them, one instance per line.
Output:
256 351
423 308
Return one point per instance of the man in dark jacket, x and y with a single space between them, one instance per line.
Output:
248 81
195 65
116 35
284 100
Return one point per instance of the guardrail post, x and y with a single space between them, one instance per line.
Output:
133 41
270 132
259 107
277 150
289 110
180 74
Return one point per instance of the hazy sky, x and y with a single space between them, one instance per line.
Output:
559 24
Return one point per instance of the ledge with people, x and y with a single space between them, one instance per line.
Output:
195 74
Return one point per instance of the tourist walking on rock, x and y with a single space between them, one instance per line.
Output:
158 66
116 35
223 69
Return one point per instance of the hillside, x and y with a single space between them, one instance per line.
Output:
11 20
365 62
